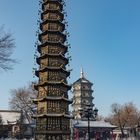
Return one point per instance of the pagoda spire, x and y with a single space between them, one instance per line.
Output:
82 73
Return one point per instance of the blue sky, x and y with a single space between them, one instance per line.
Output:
105 41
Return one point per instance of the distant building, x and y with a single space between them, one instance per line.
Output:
99 130
9 126
13 125
9 116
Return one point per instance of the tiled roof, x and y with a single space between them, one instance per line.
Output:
82 80
94 124
9 116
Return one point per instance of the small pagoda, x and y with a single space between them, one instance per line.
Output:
82 95
52 117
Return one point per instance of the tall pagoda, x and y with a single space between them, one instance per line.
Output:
52 117
82 95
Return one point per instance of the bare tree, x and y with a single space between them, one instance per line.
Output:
123 116
6 48
21 100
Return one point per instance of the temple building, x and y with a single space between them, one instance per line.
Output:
52 117
14 125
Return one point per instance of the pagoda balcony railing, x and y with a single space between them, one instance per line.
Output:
49 79
42 67
54 95
57 26
47 15
53 19
53 111
50 43
55 127
52 32
58 80
52 29
55 29
52 9
52 35
53 41
53 54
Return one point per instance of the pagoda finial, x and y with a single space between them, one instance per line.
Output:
81 73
